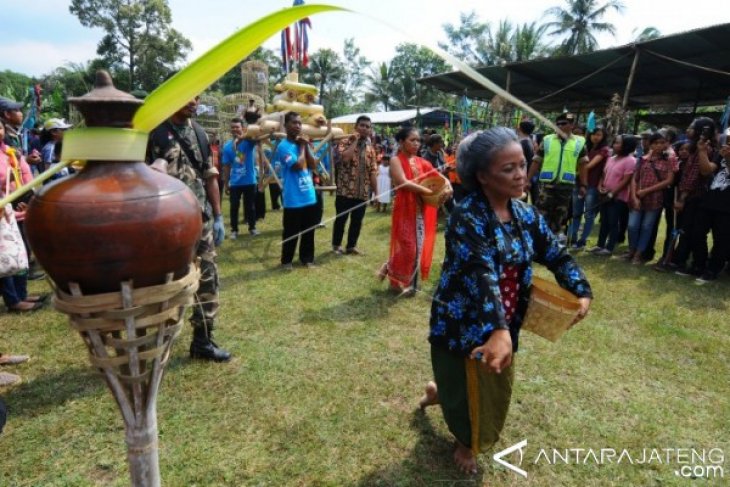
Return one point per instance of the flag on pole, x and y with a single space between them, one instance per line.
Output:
302 38
305 25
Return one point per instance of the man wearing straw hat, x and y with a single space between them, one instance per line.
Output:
180 146
557 164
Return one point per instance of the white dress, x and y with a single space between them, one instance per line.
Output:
384 184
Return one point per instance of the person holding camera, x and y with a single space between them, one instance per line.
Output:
357 175
692 188
655 173
715 210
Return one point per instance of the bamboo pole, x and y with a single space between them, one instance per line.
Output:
630 82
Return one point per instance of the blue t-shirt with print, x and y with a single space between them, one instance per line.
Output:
242 162
298 190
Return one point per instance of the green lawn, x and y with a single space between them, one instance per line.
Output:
329 367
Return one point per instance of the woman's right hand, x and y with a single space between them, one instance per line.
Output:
496 353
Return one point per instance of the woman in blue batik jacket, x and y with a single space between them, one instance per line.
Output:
492 239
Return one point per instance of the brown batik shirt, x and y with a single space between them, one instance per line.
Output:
353 177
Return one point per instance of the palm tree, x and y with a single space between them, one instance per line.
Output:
380 89
580 21
326 70
500 43
527 42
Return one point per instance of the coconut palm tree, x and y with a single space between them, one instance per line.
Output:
326 71
580 20
500 43
527 42
380 86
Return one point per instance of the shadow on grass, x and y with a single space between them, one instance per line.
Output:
49 391
360 308
429 463
683 289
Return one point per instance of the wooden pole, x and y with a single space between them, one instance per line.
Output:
505 110
630 82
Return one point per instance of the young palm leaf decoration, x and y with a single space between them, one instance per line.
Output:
202 72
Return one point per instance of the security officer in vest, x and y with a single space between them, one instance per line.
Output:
559 164
180 147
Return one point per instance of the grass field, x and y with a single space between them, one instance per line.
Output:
329 367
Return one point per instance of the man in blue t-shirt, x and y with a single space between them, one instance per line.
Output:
297 163
240 177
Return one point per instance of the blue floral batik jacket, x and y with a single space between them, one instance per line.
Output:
467 305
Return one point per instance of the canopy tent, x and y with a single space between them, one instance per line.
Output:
386 118
429 117
690 69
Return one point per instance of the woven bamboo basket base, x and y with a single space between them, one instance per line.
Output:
551 310
436 184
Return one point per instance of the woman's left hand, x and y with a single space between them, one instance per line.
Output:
585 304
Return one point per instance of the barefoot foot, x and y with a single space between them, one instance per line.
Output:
430 398
383 272
465 459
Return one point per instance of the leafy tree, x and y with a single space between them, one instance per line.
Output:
647 34
468 40
14 85
478 43
138 36
327 71
500 43
527 42
355 67
380 86
410 63
580 20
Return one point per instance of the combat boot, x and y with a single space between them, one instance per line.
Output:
203 347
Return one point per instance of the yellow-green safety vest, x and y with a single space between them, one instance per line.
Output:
560 161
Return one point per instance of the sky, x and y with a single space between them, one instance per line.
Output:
44 35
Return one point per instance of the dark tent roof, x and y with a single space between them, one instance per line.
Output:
658 80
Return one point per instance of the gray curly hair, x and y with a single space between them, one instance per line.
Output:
477 151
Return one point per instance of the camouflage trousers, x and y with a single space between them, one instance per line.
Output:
555 203
205 308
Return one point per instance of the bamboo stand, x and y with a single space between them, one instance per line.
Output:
129 335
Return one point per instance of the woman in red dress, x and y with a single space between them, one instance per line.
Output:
413 230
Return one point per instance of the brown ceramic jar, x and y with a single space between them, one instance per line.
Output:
114 220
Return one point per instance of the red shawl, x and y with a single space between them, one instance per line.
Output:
403 229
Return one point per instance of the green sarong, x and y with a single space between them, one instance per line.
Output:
490 398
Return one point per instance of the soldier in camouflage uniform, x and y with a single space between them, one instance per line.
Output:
183 144
559 164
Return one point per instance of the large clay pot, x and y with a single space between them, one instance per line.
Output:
113 221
